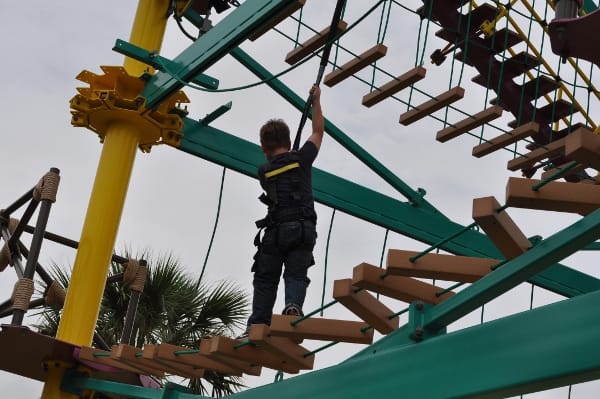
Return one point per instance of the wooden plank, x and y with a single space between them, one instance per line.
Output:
365 306
438 266
500 227
405 289
244 366
87 353
503 140
574 170
554 196
312 44
469 123
283 348
126 354
394 86
175 368
583 146
435 104
550 113
321 329
166 352
287 12
546 151
226 347
355 65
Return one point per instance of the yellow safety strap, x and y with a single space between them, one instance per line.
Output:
281 170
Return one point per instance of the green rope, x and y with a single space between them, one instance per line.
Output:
329 345
278 376
326 258
394 315
314 312
381 36
426 33
560 172
442 242
212 237
186 352
297 41
446 290
387 231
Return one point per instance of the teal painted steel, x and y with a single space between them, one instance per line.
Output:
243 156
589 6
213 45
223 109
540 349
160 63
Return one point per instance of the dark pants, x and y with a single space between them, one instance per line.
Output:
289 243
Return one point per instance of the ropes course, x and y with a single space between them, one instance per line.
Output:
528 61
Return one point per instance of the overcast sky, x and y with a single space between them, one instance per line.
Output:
171 204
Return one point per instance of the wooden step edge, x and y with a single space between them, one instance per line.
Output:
469 123
394 86
312 44
433 105
351 67
283 348
167 352
321 329
170 367
241 365
528 160
523 131
284 14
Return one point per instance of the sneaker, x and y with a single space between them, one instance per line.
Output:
291 309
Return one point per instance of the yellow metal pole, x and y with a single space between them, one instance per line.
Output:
106 204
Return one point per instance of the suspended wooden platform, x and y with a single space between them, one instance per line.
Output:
102 357
285 349
554 196
528 160
312 44
550 113
168 352
469 123
127 355
472 20
321 329
499 227
365 306
438 266
583 146
498 42
394 86
511 68
533 89
405 289
505 139
355 65
287 12
246 367
432 105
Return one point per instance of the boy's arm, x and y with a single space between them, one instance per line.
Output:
318 123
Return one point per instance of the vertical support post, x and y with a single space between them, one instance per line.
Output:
101 223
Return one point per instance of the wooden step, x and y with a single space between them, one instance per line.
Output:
583 146
394 86
497 43
485 12
250 354
321 329
246 367
511 68
528 160
283 348
285 13
533 89
355 65
432 105
572 170
405 289
554 196
312 44
365 306
424 11
438 266
499 227
127 354
175 368
469 123
167 352
505 139
89 354
550 113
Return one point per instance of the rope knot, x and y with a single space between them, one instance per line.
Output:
22 294
47 187
131 268
55 294
140 277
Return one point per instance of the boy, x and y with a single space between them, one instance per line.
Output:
290 225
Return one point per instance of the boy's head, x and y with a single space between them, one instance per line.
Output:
274 136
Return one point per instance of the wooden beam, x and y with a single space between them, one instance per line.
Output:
166 352
435 104
127 354
503 140
175 368
312 44
321 329
438 266
89 354
246 367
250 354
405 289
287 12
355 65
500 227
572 171
554 196
469 123
546 151
283 348
394 86
365 306
583 146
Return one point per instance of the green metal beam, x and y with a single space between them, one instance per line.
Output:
243 156
589 6
544 348
213 45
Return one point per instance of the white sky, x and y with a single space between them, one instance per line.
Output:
171 204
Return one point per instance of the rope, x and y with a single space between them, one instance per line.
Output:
5 254
130 272
326 258
22 294
212 237
140 279
387 232
337 15
47 187
55 295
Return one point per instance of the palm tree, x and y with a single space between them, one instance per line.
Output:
173 308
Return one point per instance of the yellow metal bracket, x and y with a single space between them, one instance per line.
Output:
488 28
115 97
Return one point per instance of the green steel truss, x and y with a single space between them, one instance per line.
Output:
538 349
